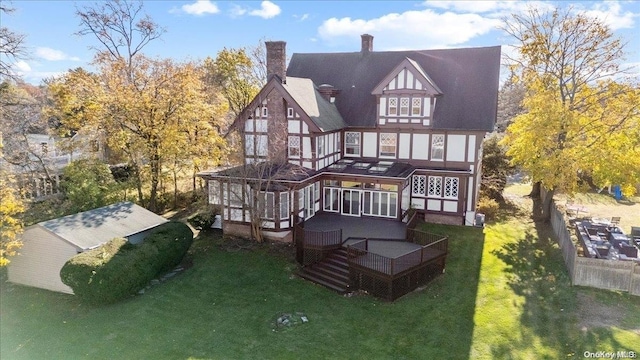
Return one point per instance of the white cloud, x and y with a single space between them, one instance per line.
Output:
302 17
237 10
22 67
201 7
610 12
267 10
411 29
489 8
54 55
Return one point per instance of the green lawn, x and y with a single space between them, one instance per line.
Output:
505 294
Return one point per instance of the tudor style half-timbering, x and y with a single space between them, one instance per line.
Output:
362 134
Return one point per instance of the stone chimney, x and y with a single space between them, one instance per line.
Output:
276 60
367 43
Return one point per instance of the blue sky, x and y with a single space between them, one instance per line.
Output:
197 29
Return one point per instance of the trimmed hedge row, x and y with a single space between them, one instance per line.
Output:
118 269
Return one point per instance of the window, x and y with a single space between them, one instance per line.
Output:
320 146
404 106
437 147
393 106
214 192
294 146
290 113
235 195
451 187
316 191
419 185
284 206
249 145
352 143
265 111
435 186
261 145
388 145
265 205
416 104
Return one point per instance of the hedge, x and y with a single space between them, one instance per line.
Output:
119 269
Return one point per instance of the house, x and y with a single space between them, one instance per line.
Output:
38 160
361 134
48 245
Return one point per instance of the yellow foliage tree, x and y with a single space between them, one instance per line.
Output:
11 207
577 120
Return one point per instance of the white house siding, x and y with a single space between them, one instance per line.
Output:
370 145
456 147
42 256
421 146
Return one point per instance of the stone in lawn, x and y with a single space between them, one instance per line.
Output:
304 319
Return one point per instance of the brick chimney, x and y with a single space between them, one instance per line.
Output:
367 43
328 92
276 59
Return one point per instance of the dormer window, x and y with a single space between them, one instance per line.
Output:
416 104
393 106
404 106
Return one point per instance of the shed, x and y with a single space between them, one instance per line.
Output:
48 245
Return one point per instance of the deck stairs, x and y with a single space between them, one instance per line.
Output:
332 272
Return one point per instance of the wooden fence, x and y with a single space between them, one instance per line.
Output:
597 273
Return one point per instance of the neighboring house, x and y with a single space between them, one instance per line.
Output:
364 134
37 160
48 245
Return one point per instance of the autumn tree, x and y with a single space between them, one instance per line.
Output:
12 48
11 207
573 107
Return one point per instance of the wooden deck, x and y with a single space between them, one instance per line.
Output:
358 227
385 268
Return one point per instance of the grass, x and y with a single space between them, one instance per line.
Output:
505 295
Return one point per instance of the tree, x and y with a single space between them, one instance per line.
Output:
567 63
120 27
157 115
495 168
11 207
88 184
12 48
510 100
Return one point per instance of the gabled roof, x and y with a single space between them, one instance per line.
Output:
416 69
92 228
303 96
273 172
468 78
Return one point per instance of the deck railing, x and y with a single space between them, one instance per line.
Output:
313 246
359 255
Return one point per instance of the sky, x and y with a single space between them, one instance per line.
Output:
198 29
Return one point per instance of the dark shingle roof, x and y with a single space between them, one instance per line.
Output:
467 77
322 112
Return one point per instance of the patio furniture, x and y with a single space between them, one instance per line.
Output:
615 220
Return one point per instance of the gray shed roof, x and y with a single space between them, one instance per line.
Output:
468 79
322 112
92 228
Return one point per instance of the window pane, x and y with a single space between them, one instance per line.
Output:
284 205
393 205
437 147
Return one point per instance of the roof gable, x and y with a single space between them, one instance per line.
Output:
303 96
407 75
92 228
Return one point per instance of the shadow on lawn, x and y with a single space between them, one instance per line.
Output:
536 272
459 286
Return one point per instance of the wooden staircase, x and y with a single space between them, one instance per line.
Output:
332 272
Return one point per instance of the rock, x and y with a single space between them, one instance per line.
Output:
304 319
141 292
